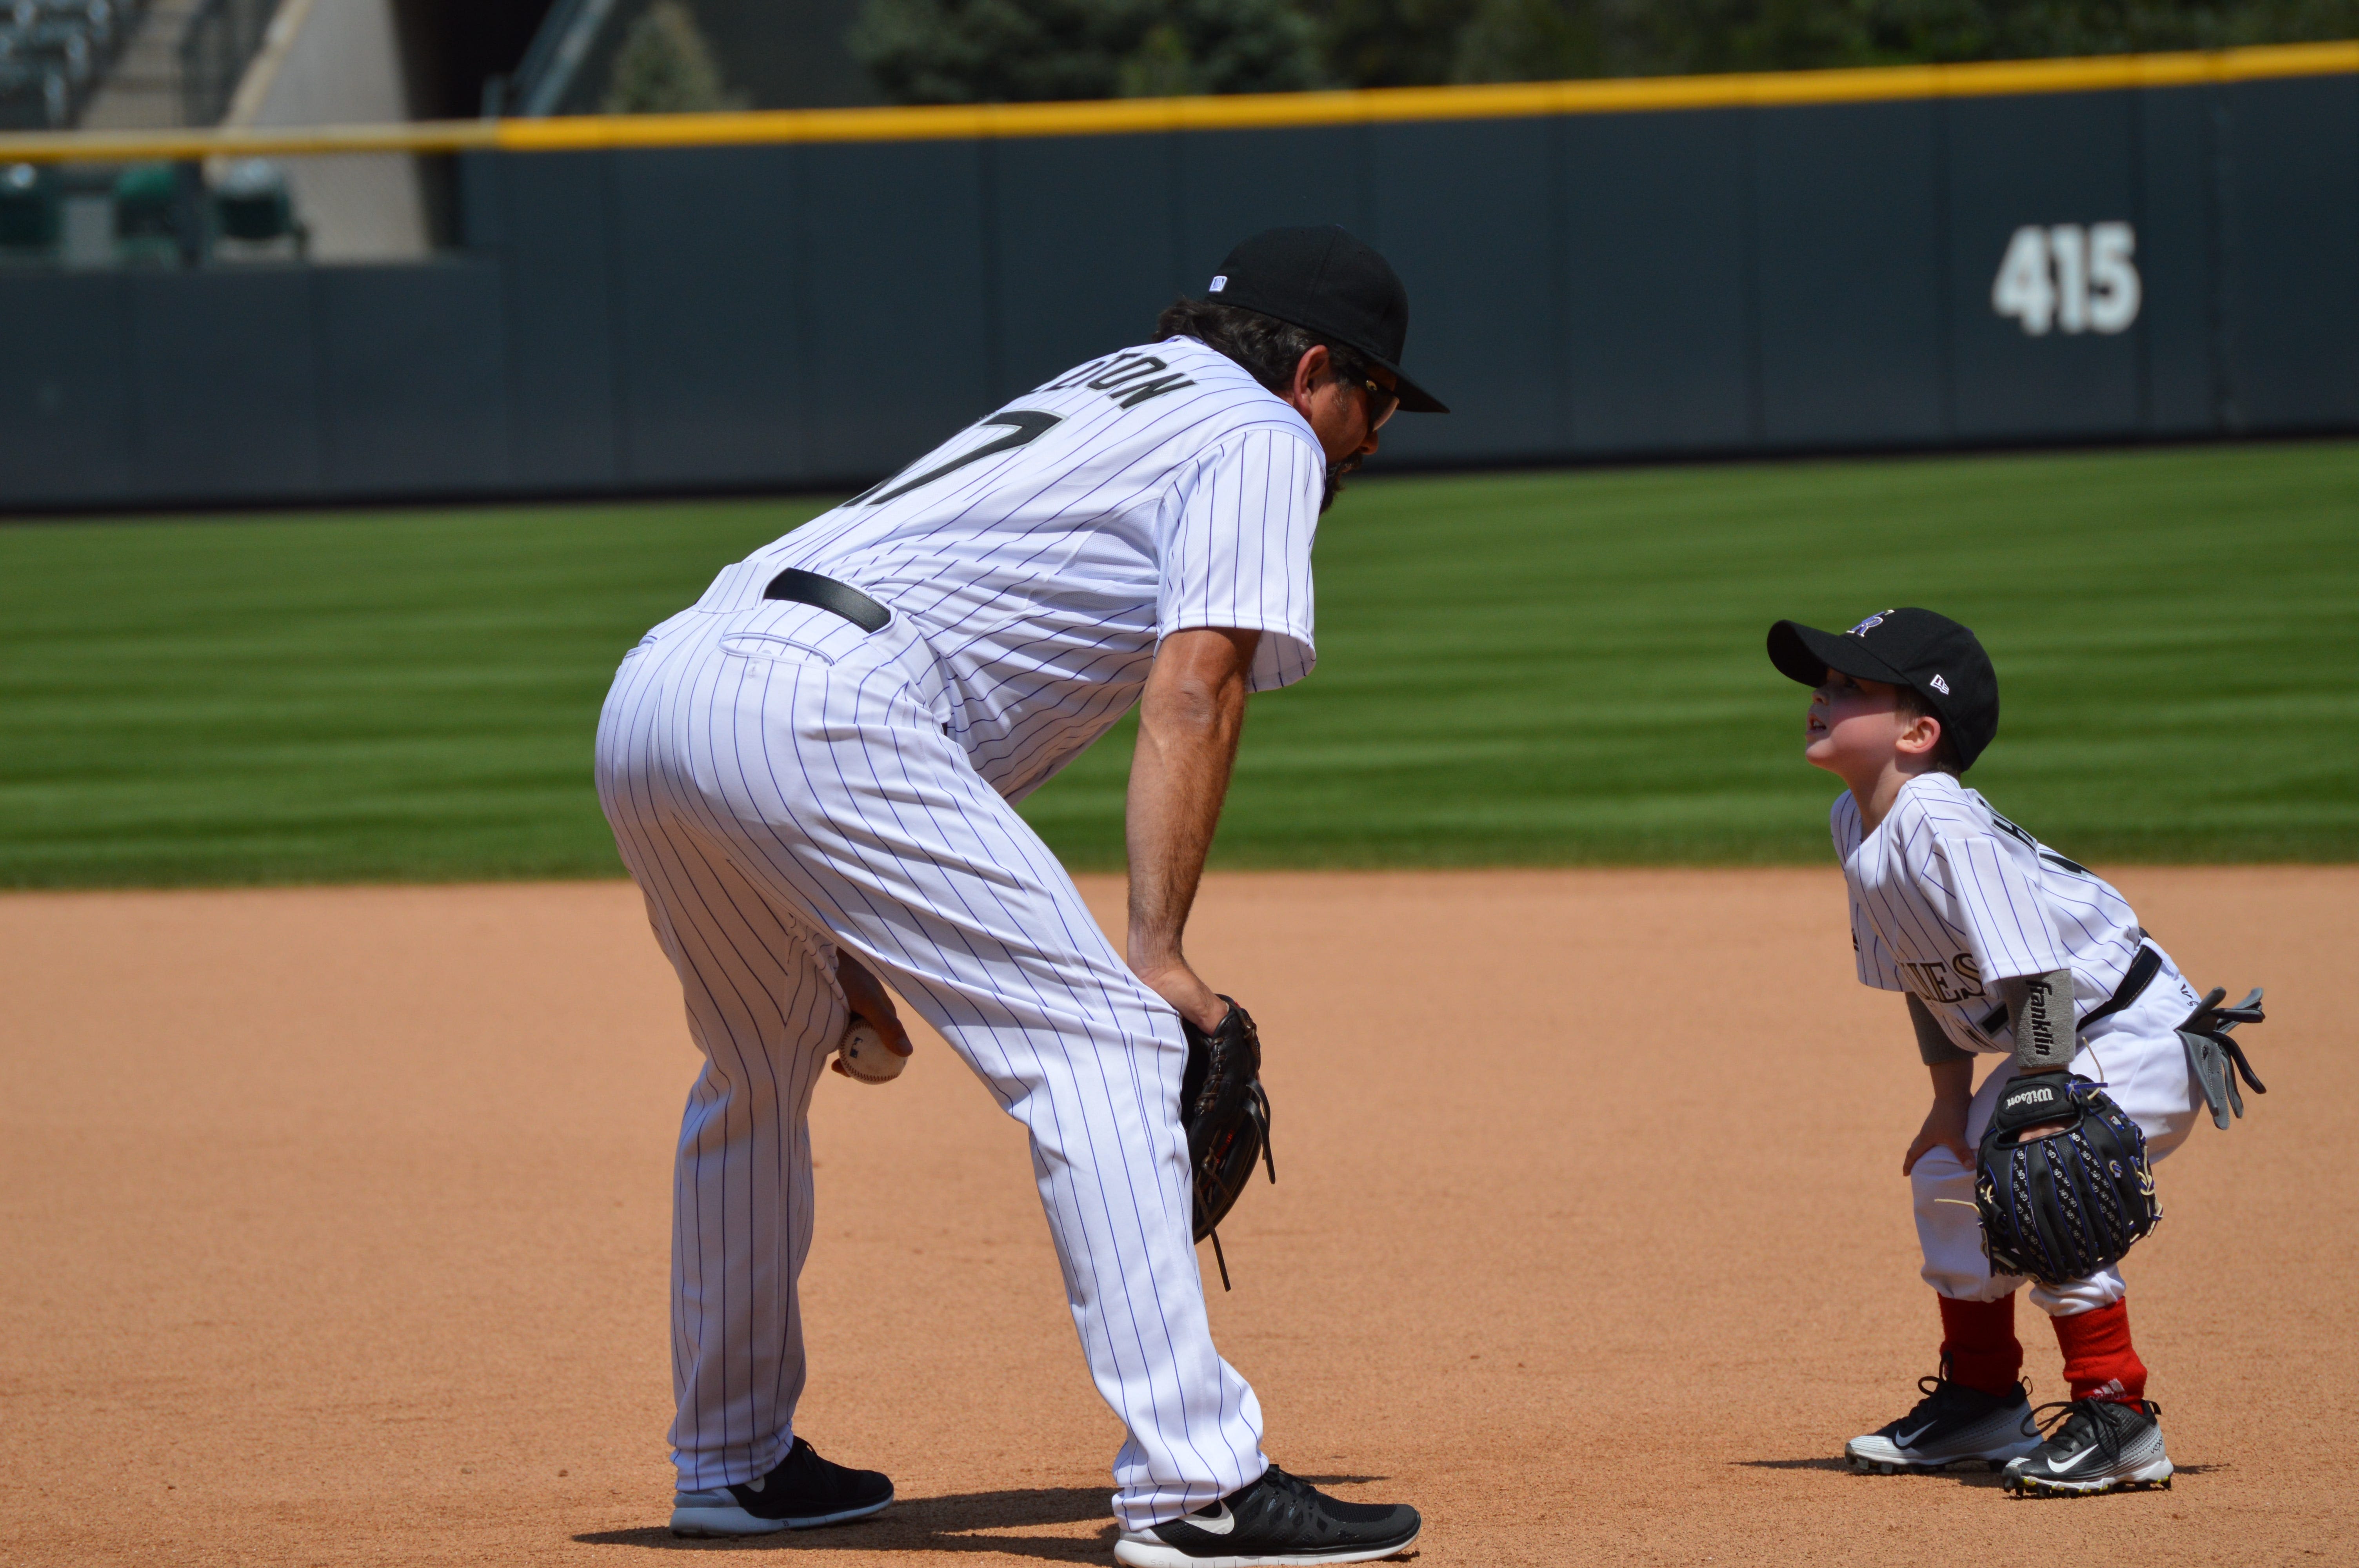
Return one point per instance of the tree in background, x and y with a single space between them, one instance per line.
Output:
1010 52
994 52
1529 40
665 67
1647 38
1224 46
939 51
1391 43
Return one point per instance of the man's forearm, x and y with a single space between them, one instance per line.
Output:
1178 778
1190 720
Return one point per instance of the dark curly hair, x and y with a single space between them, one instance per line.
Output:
1267 347
1269 350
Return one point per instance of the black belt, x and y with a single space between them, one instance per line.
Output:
799 587
2141 973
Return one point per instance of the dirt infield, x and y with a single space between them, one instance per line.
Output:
334 1225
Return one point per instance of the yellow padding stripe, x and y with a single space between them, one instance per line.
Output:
124 147
1242 112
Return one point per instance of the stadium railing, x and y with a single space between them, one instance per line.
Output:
52 53
2095 251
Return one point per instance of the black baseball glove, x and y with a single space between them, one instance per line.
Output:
2061 1207
2215 1059
1226 1115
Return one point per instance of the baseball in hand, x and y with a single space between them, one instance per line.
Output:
865 1057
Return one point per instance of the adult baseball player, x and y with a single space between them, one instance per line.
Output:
810 774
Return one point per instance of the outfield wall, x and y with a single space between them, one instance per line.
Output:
1846 261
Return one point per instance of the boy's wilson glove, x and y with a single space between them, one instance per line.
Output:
1226 1115
2062 1206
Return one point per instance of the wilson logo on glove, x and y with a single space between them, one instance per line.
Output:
2063 1204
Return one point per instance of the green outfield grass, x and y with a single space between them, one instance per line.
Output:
1542 668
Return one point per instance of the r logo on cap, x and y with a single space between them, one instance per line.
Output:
1870 624
1220 281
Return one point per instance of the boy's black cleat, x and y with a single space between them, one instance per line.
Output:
1952 1426
1277 1520
2096 1445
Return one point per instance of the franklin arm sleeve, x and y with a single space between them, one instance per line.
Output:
2045 1032
1932 1045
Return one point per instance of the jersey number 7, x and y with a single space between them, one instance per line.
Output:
1030 426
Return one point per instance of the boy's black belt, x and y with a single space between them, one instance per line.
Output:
799 587
2141 975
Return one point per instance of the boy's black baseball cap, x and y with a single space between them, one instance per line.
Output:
1932 654
1326 280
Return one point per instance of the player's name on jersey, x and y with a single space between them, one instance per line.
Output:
1130 378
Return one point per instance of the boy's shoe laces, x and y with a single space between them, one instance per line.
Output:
2108 1437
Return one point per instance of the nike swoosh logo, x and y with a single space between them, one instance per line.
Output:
1216 1524
1910 1441
2058 1467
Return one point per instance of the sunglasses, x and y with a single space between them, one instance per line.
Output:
1383 402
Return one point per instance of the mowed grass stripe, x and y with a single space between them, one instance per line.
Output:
352 696
1550 668
1536 668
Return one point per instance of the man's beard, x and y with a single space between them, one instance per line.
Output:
1336 474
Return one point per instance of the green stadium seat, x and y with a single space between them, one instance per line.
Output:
252 206
29 213
147 215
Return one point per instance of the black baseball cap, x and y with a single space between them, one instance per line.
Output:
1326 280
1932 654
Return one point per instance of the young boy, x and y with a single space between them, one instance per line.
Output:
2003 947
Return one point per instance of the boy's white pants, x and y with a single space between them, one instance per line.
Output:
779 783
2138 1055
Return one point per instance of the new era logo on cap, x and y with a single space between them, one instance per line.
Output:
1938 684
1219 282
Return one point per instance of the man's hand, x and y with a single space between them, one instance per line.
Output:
1180 986
867 998
1190 718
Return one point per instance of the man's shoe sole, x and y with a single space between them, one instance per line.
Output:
724 1518
1887 1460
2156 1473
1151 1551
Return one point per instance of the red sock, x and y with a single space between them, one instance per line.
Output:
1979 1346
2098 1360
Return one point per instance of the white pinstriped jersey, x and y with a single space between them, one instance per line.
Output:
1947 897
1044 553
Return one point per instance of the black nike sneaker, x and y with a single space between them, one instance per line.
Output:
1952 1426
1278 1519
804 1490
2094 1445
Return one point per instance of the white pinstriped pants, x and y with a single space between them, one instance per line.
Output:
779 781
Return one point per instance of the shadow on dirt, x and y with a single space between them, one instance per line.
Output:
965 1522
1962 1476
1820 1463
